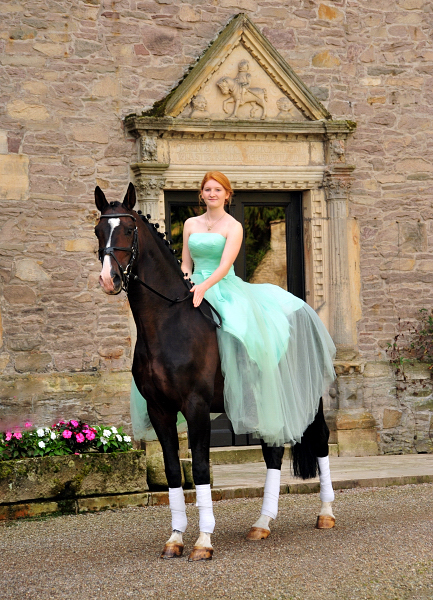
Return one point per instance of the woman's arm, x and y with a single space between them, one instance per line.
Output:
186 265
231 250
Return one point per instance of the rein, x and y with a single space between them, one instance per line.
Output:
126 273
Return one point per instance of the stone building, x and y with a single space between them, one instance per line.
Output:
321 105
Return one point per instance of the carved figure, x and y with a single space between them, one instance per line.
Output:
199 107
241 93
286 109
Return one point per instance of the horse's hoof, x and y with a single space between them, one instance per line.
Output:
172 550
200 554
325 522
258 533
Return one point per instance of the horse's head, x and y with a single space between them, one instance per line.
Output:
118 239
225 85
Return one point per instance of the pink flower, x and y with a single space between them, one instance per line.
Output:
80 438
90 435
67 434
8 436
74 423
28 424
18 435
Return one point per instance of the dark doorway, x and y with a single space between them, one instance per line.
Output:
272 252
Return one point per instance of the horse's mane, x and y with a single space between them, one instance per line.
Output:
164 245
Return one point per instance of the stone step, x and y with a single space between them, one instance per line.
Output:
236 455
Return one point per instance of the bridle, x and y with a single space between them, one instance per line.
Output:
126 274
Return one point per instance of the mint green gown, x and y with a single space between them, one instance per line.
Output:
276 354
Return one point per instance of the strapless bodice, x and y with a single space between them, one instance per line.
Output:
206 250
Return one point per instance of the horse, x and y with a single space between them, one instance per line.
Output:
241 96
176 367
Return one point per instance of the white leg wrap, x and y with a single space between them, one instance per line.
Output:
177 507
326 491
204 502
272 493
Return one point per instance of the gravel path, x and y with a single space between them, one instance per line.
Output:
382 548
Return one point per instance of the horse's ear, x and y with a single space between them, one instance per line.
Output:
130 198
100 200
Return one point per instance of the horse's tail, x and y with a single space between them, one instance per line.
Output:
314 443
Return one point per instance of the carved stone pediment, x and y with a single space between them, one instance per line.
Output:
242 77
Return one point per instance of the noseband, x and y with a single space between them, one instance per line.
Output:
126 274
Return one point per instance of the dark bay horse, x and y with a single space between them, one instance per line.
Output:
176 363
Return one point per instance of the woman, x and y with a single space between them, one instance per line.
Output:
276 355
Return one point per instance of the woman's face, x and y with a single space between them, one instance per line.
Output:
214 194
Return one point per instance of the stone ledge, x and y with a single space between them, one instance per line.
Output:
100 503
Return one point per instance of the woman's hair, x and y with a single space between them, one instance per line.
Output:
222 180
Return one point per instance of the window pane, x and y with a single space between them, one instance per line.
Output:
265 245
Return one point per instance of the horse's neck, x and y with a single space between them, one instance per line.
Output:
161 274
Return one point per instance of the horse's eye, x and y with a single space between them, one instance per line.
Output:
129 231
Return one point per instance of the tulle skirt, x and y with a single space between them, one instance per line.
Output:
276 358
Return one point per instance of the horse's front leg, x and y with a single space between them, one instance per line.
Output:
166 430
273 458
199 435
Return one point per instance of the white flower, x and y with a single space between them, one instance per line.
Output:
106 433
53 435
114 430
40 432
41 444
104 441
126 438
47 430
119 437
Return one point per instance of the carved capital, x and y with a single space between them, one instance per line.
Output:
149 182
337 182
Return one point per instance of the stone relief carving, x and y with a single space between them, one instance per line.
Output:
288 111
240 92
336 151
149 149
199 108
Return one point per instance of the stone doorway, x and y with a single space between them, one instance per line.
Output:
272 252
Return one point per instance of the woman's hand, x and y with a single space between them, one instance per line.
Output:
198 291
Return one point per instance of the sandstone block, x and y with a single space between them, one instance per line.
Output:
189 14
91 133
242 4
325 59
38 88
50 49
106 87
4 359
28 269
19 294
391 418
18 109
4 142
21 60
329 13
14 177
85 48
80 245
156 473
358 442
354 419
72 476
32 362
411 165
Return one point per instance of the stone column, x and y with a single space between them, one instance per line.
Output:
352 426
337 183
150 181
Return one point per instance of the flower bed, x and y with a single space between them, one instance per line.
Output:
65 437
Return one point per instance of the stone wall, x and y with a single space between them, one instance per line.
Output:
70 72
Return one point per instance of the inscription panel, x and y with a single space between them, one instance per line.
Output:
239 153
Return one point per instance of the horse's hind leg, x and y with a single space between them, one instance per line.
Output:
167 434
312 453
273 458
